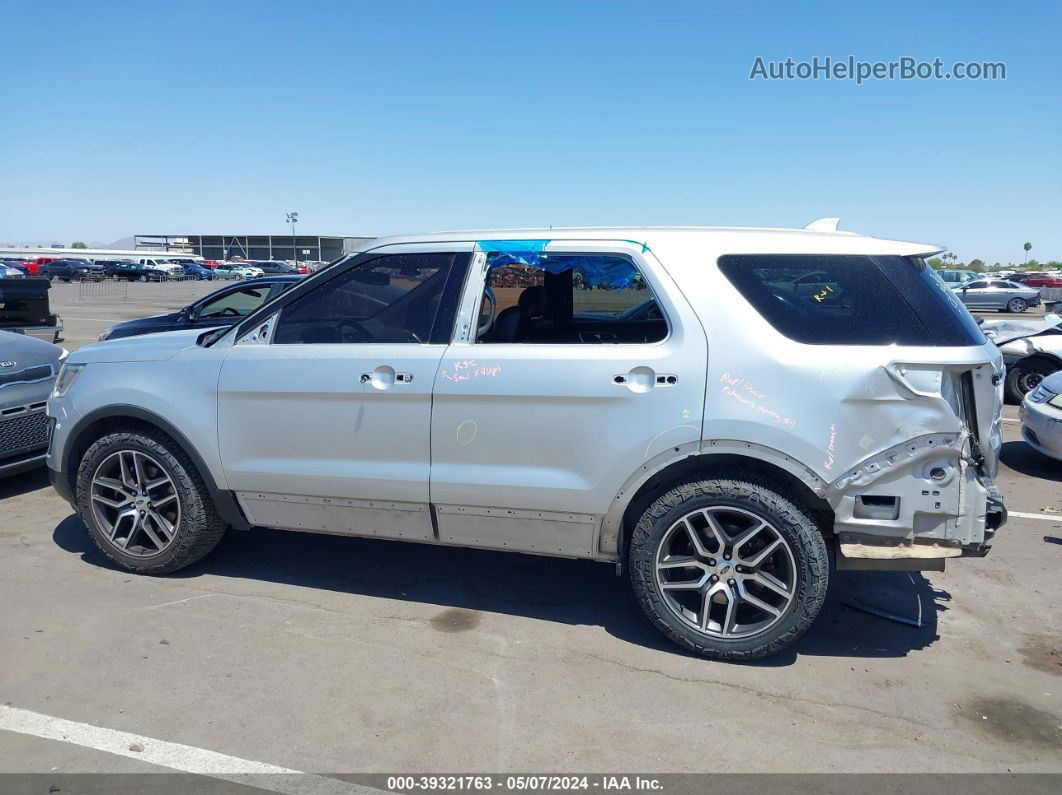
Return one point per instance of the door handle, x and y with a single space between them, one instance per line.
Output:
642 379
384 377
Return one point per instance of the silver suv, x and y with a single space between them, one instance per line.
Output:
717 410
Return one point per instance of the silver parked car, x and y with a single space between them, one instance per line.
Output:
712 409
1041 417
1000 294
28 367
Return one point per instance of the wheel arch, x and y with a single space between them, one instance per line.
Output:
704 459
99 423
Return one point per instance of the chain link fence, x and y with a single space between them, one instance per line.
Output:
182 289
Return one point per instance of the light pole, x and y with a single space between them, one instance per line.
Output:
293 218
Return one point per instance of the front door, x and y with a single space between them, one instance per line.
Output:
584 368
325 425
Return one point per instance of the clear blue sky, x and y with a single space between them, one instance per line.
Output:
373 118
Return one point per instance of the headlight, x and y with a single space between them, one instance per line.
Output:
1056 401
63 355
68 373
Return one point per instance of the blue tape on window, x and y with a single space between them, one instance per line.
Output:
527 251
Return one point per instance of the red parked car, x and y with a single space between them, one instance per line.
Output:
34 265
1041 280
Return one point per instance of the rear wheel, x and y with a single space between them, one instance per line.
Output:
729 568
1017 305
146 506
1024 376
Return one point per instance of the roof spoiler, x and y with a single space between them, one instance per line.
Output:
823 225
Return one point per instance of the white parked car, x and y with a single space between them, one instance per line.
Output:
1041 417
712 409
161 263
237 270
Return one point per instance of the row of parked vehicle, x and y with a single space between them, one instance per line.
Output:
145 269
1026 278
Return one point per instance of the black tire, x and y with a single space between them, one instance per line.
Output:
1025 376
200 528
1017 305
793 523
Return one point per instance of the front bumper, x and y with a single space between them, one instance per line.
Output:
23 438
22 463
1041 428
62 486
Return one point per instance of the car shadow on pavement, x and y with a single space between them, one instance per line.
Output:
565 591
1022 458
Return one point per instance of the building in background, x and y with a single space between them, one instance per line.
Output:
322 248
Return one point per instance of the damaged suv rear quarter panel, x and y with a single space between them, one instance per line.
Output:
888 423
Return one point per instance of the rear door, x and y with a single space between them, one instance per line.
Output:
587 364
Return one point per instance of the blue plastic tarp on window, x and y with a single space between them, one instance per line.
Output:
594 270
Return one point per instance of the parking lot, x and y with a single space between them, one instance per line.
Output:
319 653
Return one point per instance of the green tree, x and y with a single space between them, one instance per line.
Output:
1028 248
936 263
976 265
78 244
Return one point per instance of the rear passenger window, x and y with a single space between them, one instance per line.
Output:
568 299
851 299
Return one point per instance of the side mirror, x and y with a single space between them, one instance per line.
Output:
188 313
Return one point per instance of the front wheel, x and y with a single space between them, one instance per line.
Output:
1017 305
1024 376
729 568
146 506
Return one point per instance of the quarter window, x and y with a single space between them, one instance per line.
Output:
852 300
396 298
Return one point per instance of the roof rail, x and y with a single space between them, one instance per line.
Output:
824 225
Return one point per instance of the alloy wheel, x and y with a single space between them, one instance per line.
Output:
725 572
1017 305
135 503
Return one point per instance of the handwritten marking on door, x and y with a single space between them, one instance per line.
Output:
466 432
741 390
830 447
467 369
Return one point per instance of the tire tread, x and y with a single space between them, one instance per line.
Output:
812 589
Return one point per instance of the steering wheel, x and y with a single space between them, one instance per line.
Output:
485 327
361 333
229 312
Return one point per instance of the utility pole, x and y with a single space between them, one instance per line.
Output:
293 218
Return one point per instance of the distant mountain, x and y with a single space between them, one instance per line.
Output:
125 243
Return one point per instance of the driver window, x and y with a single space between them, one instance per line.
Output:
238 303
391 299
